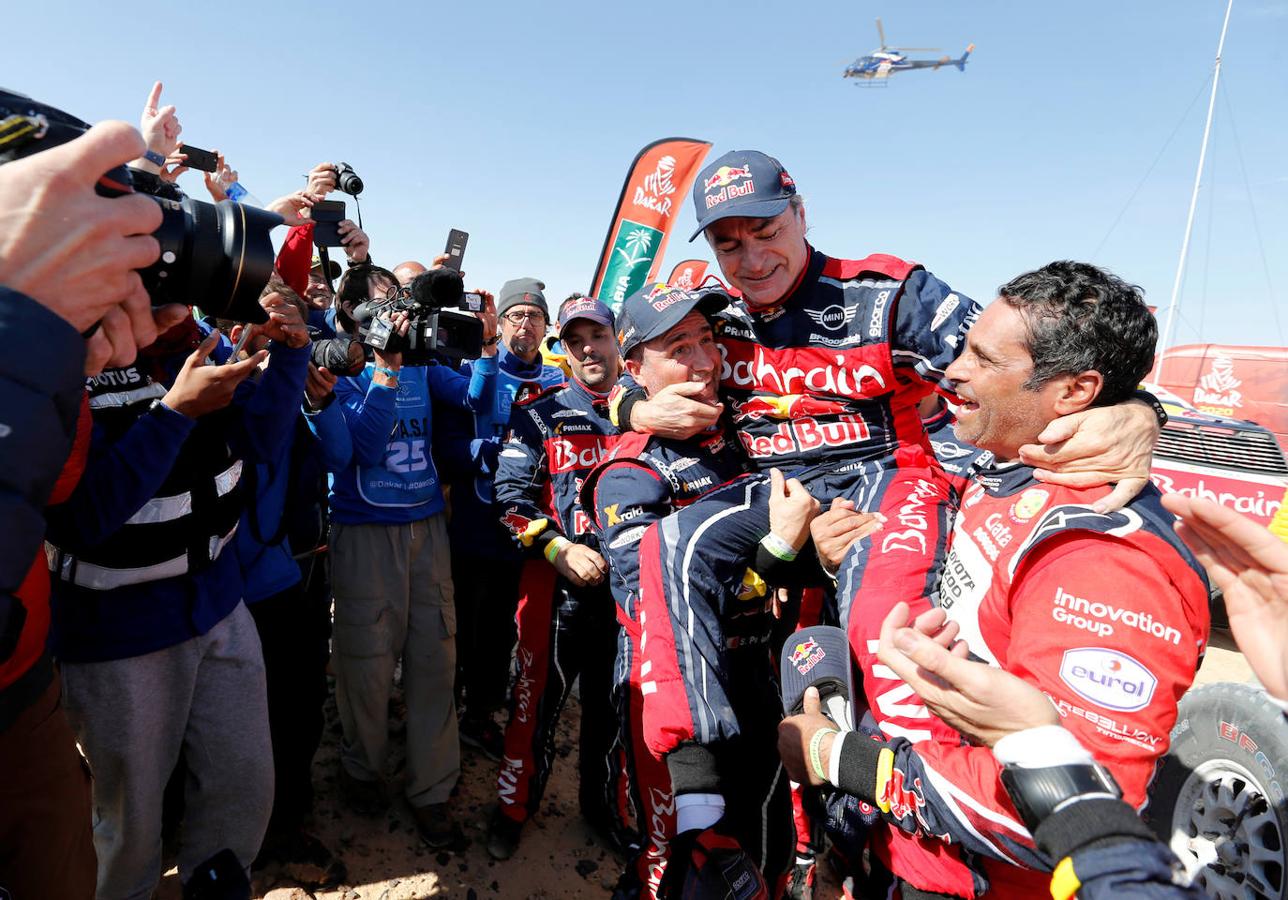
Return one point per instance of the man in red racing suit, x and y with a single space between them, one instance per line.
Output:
1106 612
823 363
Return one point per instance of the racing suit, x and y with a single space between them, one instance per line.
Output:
695 682
556 438
825 386
1106 613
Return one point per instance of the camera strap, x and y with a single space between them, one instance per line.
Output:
17 131
325 258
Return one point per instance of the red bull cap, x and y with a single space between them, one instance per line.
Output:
741 183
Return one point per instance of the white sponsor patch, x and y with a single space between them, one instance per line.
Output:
1108 678
944 311
629 536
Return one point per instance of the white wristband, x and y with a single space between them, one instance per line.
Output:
834 757
1041 748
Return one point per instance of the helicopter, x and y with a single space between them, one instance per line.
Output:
880 64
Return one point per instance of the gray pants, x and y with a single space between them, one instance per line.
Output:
132 716
393 598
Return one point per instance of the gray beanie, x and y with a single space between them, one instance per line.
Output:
522 291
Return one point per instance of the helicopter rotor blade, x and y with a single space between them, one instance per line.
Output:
880 32
918 49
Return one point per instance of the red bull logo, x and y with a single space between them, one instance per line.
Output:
805 434
807 655
725 175
723 186
791 406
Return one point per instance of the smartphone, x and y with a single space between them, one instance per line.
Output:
472 302
327 214
201 160
455 249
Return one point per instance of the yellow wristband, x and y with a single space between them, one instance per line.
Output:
553 548
885 766
1064 881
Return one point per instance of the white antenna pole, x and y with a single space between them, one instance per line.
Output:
1169 326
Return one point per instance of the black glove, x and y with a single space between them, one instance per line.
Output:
710 865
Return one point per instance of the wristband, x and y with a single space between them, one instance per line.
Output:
155 158
388 373
778 547
1037 793
814 743
1146 397
553 546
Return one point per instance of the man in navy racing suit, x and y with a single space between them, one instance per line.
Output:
697 690
565 619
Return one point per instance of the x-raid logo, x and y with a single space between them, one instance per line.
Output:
655 193
723 182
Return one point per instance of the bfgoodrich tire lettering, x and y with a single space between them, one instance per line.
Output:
1218 799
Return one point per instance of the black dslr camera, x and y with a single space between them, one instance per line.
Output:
215 256
433 329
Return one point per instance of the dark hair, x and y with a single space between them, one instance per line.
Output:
354 288
1081 318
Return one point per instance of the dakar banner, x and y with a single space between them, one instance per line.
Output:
655 188
688 274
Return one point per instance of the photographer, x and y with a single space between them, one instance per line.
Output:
390 564
158 649
485 562
55 282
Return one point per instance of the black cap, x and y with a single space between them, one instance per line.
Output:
656 309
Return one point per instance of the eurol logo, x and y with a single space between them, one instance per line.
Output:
1108 678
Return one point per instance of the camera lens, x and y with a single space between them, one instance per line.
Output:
335 355
347 180
214 256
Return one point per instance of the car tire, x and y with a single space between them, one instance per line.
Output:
1218 797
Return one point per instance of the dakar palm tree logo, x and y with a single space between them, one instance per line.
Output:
637 246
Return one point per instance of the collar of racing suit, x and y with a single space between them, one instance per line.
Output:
1003 479
812 268
597 400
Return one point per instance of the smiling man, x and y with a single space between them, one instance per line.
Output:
1105 612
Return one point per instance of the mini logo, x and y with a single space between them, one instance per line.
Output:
1108 678
832 317
786 181
1029 504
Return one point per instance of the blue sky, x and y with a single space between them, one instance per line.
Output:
516 121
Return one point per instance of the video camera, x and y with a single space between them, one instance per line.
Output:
215 256
433 329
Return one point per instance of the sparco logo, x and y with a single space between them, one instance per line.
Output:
655 194
832 317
